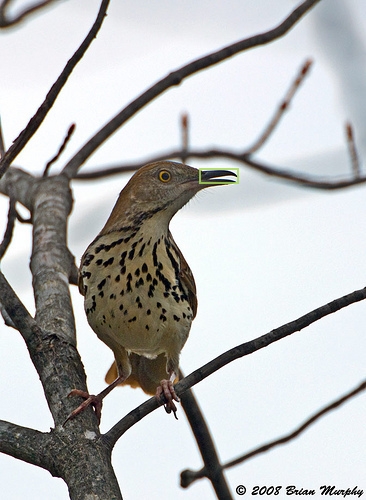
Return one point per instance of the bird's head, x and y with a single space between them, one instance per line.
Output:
162 187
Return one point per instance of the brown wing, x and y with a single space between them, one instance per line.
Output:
81 284
80 278
186 277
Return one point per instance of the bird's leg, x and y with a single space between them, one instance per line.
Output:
92 400
166 388
124 371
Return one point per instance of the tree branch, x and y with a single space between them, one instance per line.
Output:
8 234
176 77
2 145
50 337
49 164
51 260
54 354
227 357
59 367
16 310
6 23
19 184
184 125
301 179
281 109
194 475
24 443
243 158
355 161
292 435
206 446
36 121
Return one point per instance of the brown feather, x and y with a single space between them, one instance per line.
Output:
186 276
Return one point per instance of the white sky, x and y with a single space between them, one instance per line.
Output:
263 253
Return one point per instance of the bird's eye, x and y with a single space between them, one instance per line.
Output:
165 176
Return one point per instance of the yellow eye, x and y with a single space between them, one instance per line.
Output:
165 176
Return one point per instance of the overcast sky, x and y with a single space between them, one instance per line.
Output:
262 252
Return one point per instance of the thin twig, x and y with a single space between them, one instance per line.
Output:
2 144
7 319
6 23
355 162
243 158
176 78
185 136
23 220
319 182
8 234
4 4
194 475
3 247
282 108
227 357
61 149
15 310
37 119
292 435
206 446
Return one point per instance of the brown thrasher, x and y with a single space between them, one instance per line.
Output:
140 294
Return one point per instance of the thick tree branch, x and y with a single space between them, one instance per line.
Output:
24 443
57 362
227 357
86 469
192 476
54 354
19 184
51 260
176 77
50 337
52 95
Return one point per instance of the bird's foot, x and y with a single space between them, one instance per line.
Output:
90 400
166 388
95 401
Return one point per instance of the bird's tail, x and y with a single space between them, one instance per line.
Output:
146 373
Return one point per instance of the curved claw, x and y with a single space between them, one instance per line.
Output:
90 400
95 401
167 390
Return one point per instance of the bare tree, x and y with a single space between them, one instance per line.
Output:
78 452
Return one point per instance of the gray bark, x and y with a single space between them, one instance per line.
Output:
76 452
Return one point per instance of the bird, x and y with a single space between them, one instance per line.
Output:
139 292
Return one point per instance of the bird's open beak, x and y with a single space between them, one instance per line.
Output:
215 177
